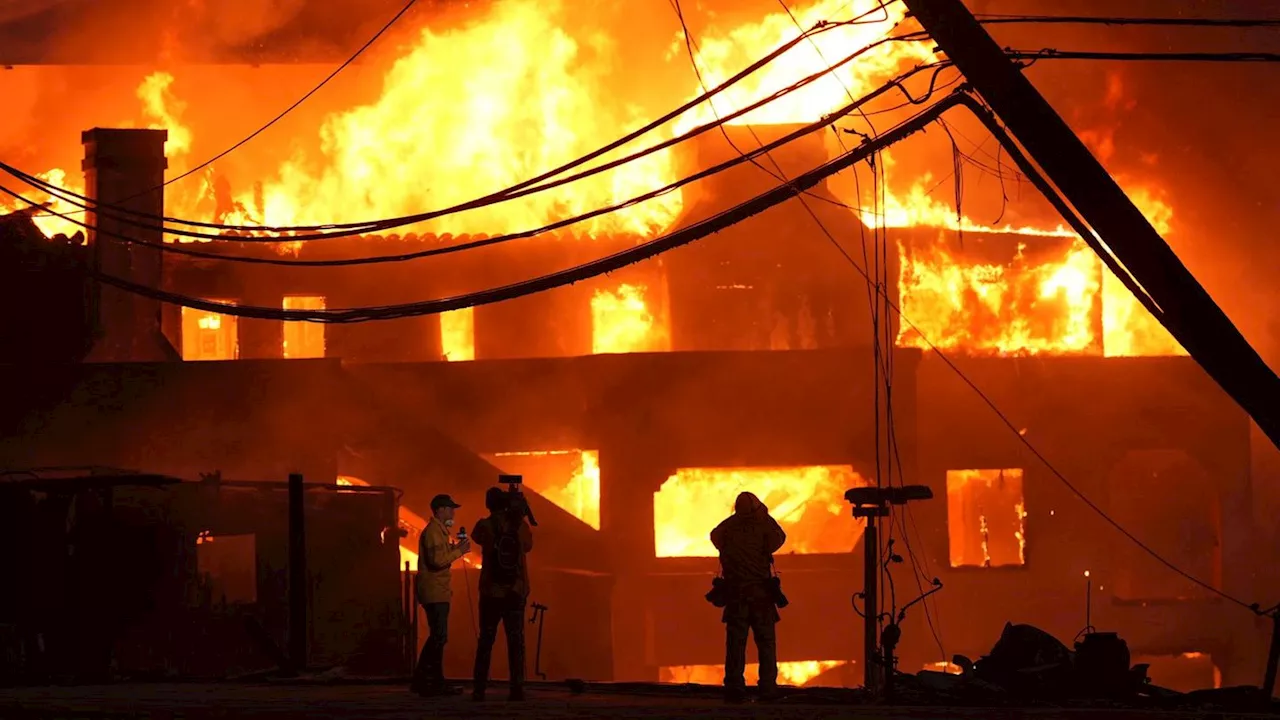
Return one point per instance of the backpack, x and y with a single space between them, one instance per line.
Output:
504 564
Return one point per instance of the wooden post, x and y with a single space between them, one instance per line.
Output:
1191 315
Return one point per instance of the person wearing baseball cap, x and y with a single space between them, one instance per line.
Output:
436 554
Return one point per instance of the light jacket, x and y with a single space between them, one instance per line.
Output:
435 554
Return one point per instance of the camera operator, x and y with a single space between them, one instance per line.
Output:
751 596
436 553
505 537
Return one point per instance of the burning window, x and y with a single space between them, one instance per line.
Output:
985 518
568 478
209 336
798 674
807 501
625 320
1043 298
458 334
228 567
303 339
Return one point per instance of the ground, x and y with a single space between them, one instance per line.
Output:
228 701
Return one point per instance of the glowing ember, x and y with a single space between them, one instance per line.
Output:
807 501
458 334
623 322
303 339
568 478
797 673
943 667
986 518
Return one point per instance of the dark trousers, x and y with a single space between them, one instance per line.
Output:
760 618
509 611
429 672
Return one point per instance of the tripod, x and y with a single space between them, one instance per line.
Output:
872 503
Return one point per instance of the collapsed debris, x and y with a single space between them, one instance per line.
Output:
1029 667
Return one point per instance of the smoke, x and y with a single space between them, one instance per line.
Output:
11 10
237 22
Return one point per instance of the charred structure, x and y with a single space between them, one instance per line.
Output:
149 576
769 379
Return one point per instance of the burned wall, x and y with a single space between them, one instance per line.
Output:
248 419
1152 441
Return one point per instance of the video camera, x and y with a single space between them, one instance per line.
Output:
517 505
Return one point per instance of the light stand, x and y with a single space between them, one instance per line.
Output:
872 503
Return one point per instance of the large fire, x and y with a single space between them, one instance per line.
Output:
1067 302
808 502
513 89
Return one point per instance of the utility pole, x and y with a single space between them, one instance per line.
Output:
1190 313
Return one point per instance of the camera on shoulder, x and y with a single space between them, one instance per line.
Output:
517 505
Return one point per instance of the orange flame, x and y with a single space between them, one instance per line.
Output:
527 102
568 478
796 673
722 54
623 322
808 502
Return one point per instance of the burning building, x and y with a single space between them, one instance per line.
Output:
638 404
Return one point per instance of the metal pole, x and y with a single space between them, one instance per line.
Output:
1191 314
1273 658
870 624
297 576
406 606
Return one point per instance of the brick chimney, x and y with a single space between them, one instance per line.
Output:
125 168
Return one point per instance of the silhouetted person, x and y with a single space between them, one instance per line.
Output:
436 553
747 541
505 538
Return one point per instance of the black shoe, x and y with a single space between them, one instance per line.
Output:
769 694
735 697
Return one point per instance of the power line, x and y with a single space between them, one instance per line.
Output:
676 239
1052 54
182 249
399 222
388 223
780 175
999 19
984 115
607 264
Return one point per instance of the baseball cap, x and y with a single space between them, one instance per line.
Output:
443 501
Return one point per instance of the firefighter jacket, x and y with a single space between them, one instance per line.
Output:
747 542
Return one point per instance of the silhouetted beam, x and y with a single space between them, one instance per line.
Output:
1189 313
